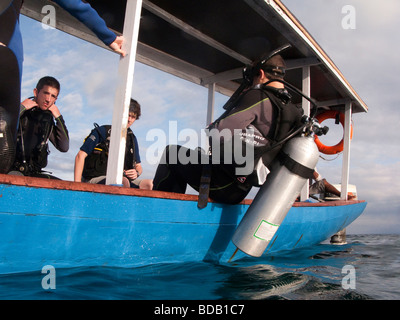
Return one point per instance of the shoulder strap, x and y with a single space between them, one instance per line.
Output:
131 142
105 138
130 150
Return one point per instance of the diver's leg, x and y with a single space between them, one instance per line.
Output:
9 107
10 80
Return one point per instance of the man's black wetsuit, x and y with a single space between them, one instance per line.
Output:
36 128
256 108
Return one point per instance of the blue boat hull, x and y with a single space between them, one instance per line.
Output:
65 224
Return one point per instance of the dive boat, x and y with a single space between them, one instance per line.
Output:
69 224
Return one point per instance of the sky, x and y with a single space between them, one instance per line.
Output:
364 49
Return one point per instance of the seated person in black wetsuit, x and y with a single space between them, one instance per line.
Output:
40 121
91 160
256 108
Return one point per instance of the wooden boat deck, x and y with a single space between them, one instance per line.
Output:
116 190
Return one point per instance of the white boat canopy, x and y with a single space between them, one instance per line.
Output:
208 42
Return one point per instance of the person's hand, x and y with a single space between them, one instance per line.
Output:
351 196
54 110
131 174
29 104
117 45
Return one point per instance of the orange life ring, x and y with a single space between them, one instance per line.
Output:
338 147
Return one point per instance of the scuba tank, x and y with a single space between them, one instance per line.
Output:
276 196
290 169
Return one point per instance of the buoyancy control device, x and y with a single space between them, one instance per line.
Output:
96 162
35 127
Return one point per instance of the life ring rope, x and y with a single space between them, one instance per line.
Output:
339 146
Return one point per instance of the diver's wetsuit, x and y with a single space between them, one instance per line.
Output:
36 128
174 176
10 79
255 108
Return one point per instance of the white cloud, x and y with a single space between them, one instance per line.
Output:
72 104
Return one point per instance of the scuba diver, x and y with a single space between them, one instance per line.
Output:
11 59
92 158
40 122
259 114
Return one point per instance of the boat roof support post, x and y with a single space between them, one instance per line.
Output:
211 103
115 164
346 151
306 84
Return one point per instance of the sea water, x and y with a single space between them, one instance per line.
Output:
366 268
